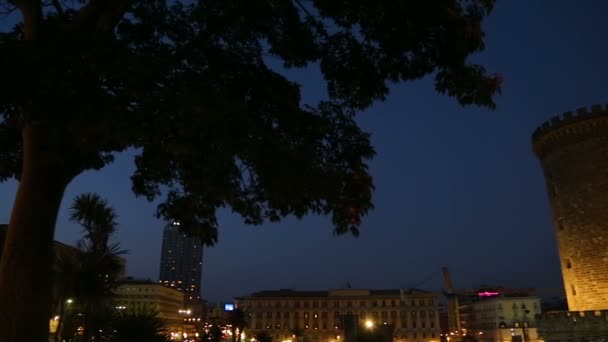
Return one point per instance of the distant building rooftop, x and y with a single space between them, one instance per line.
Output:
138 281
285 293
4 229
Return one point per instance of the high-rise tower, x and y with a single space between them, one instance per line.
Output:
181 262
573 151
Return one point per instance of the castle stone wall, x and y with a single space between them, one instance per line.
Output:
573 326
573 151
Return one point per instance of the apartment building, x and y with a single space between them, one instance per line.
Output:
318 315
145 296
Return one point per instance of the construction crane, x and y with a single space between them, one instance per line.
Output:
452 297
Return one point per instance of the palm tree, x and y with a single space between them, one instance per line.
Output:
145 327
99 272
214 334
89 273
238 322
97 219
263 337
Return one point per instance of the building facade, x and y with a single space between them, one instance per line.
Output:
181 262
503 319
145 296
318 315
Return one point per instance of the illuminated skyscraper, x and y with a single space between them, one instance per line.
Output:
181 262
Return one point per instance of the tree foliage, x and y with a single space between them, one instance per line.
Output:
263 337
238 321
89 274
97 218
188 85
141 327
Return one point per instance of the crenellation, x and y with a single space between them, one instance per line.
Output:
568 129
584 325
566 118
572 315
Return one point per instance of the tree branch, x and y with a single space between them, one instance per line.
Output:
101 15
31 10
320 27
59 9
16 2
89 11
7 9
304 9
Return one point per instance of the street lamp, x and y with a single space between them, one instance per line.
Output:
369 324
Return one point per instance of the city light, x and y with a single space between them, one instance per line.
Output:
369 324
69 301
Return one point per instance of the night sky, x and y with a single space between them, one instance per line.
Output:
455 186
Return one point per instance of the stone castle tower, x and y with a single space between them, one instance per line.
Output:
573 151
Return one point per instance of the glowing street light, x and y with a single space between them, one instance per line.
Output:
369 324
69 301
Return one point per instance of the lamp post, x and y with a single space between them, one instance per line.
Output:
524 326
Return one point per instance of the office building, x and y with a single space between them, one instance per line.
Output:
181 262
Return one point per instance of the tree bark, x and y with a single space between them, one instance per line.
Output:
26 263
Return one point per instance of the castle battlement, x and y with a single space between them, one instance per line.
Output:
575 316
569 325
573 152
570 127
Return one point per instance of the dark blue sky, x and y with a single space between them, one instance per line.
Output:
454 186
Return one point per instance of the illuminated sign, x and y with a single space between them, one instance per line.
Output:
228 307
487 294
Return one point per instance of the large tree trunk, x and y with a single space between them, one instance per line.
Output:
26 263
